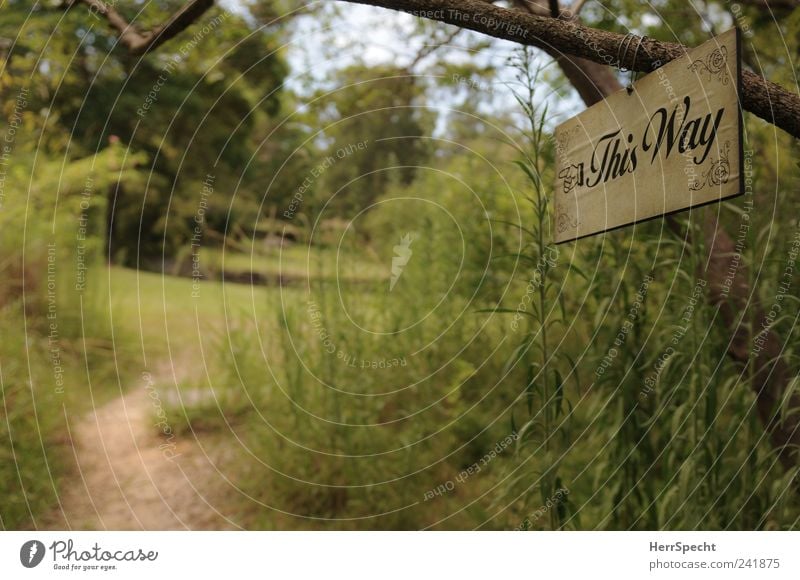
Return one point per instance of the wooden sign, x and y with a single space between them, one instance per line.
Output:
671 143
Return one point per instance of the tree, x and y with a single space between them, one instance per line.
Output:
181 107
389 100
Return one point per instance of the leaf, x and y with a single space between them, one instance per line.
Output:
529 392
529 425
513 423
518 226
562 302
559 394
573 368
530 259
505 311
578 271
515 357
534 178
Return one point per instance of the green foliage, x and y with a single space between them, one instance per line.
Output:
381 107
202 104
57 338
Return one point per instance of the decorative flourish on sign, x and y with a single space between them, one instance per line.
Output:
563 139
715 64
571 176
564 221
718 173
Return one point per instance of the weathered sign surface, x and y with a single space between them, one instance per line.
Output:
672 143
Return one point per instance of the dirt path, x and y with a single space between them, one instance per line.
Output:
130 478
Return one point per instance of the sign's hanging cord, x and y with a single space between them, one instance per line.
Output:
633 64
622 53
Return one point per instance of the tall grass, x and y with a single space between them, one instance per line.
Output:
361 398
357 406
540 359
673 440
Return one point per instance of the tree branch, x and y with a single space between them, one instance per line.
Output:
593 81
141 42
766 99
430 48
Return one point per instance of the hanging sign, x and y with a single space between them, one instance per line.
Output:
671 142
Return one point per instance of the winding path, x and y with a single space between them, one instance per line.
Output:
130 478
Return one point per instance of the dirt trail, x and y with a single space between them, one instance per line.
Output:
130 478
